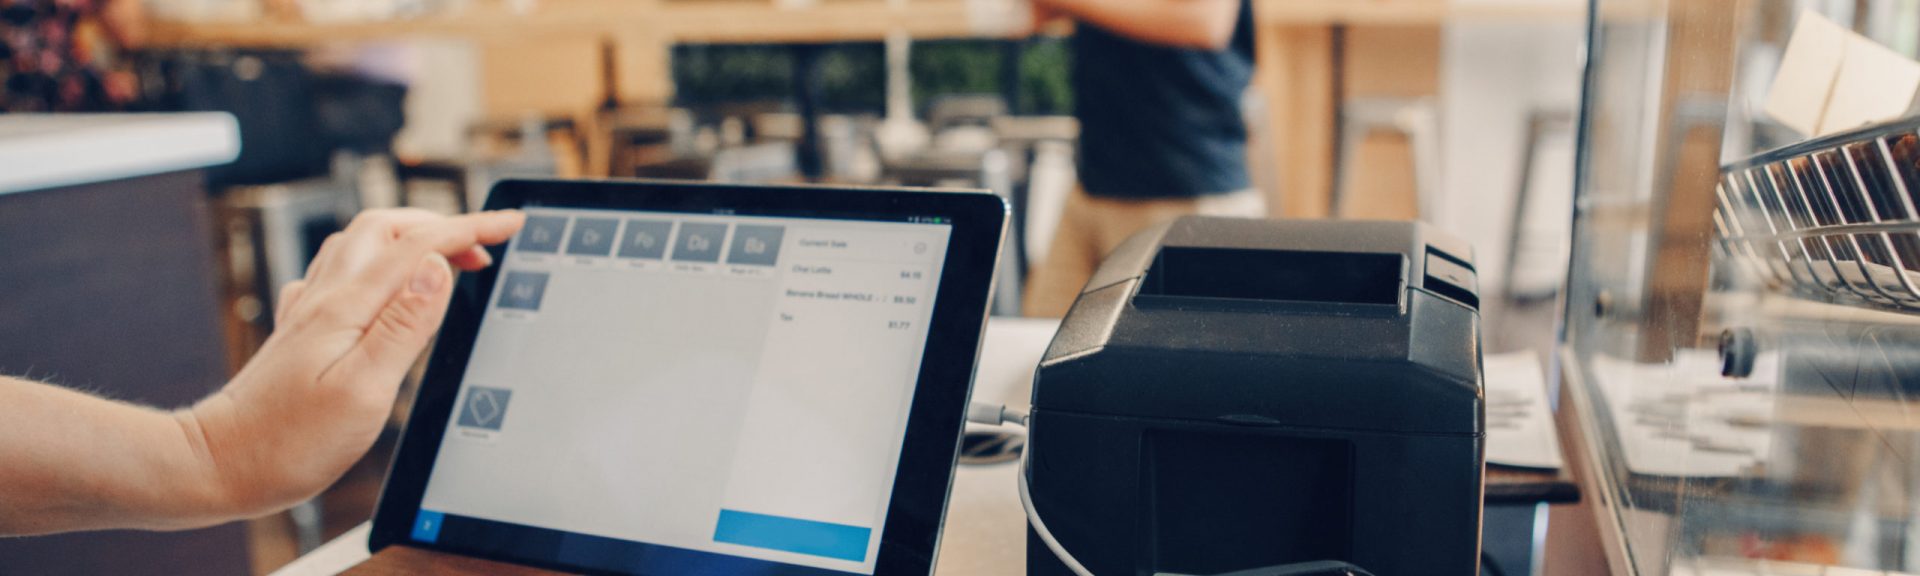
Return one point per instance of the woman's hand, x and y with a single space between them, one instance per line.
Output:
317 394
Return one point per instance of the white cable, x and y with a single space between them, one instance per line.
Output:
1001 415
1033 516
996 415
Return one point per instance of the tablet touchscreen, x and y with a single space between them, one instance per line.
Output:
690 393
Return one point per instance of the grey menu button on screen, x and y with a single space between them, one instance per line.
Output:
542 234
699 242
592 236
645 239
523 290
755 245
485 408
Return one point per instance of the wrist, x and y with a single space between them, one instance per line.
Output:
204 484
230 483
254 450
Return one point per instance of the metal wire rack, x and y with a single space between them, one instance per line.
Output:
1832 219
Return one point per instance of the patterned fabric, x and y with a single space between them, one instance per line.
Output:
54 58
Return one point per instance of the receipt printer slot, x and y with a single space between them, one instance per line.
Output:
1181 273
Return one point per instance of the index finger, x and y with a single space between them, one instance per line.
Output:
370 228
455 235
361 294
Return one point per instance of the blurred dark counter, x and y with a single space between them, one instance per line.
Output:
108 284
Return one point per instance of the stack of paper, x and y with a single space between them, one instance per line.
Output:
1832 79
1684 419
1519 422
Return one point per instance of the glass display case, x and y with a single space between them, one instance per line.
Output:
1743 310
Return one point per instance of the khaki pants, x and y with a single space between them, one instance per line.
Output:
1090 227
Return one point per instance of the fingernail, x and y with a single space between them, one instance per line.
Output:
430 275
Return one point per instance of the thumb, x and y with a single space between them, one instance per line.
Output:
390 345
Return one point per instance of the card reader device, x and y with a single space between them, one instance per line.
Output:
1239 395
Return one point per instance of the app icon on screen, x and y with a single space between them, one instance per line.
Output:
485 408
542 234
645 239
756 245
592 236
699 242
523 290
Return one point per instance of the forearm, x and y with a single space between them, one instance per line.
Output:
79 462
1201 24
304 409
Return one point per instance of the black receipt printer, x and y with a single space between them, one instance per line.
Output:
1237 395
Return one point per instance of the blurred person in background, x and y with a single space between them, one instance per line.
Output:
1157 88
65 55
306 407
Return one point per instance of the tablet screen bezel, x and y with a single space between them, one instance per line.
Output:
910 536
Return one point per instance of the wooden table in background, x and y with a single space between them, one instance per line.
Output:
1312 54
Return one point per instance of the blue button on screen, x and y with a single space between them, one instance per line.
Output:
426 526
827 540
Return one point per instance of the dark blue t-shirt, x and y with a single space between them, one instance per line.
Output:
1161 122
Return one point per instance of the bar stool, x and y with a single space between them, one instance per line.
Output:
1415 118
